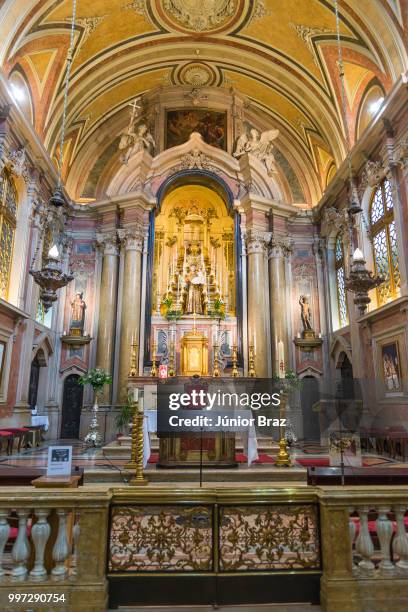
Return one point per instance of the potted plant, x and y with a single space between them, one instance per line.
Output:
97 378
124 419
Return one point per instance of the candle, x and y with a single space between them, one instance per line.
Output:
135 394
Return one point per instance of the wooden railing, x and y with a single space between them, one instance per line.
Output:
70 543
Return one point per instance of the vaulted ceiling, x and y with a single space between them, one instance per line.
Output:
281 55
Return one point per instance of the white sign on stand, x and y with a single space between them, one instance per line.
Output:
59 461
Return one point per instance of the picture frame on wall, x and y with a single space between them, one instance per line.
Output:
391 367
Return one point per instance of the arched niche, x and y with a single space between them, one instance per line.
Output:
196 193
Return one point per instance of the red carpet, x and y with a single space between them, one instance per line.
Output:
303 461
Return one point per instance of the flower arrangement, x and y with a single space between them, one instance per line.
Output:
97 378
170 313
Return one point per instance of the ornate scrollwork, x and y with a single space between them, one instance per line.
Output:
373 173
161 538
271 537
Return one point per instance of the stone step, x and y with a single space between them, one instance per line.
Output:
256 473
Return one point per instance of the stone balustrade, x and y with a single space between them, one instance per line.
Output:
379 540
349 542
49 546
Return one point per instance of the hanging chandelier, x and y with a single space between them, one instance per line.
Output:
360 280
51 277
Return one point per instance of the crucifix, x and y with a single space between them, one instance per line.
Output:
135 111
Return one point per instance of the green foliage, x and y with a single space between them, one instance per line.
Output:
290 382
218 311
97 378
173 315
123 419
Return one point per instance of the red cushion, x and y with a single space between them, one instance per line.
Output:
18 429
372 527
5 434
14 531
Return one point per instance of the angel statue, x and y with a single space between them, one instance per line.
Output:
135 141
260 146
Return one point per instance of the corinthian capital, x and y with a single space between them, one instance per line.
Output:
107 242
132 238
257 241
281 246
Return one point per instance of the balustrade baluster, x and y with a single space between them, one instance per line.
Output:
364 544
352 532
4 536
384 532
75 540
21 549
40 533
400 542
61 550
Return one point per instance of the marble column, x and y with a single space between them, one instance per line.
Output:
132 244
258 299
279 307
107 242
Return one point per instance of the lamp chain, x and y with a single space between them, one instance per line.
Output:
67 76
344 110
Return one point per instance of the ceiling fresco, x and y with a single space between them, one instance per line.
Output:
281 56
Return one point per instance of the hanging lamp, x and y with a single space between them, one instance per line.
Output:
51 277
360 280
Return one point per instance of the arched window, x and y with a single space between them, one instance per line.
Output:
384 239
8 219
340 281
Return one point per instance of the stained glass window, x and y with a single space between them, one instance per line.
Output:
340 281
385 243
8 214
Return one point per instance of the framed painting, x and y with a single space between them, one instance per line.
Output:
391 367
212 125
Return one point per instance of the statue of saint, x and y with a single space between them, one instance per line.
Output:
135 140
195 288
78 307
305 313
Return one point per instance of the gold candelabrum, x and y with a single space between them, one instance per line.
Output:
153 371
172 371
136 453
133 360
283 457
235 372
251 364
216 365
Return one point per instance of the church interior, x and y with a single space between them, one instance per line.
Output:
204 197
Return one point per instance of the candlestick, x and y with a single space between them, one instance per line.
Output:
137 439
153 371
133 360
251 369
283 458
216 362
234 371
281 360
171 360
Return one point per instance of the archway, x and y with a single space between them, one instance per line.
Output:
71 407
194 231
